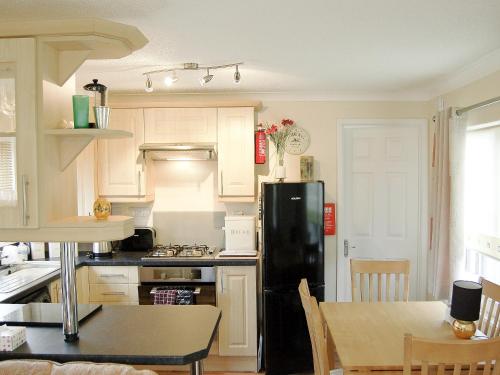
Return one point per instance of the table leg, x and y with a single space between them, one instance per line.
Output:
197 368
69 298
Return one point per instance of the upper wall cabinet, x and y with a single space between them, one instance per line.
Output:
121 168
38 192
18 137
180 125
235 134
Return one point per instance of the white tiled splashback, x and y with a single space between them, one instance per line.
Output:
186 208
190 227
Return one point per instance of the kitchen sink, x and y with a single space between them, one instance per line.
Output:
15 276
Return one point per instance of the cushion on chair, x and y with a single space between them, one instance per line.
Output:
34 367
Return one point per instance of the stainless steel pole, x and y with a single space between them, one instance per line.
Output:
69 301
197 368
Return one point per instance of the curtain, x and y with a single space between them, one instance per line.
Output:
447 249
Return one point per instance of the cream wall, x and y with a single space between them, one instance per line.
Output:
318 117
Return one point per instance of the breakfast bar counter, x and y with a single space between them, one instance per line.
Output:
142 335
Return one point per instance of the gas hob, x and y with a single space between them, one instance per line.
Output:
180 251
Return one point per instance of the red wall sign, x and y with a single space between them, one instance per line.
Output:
330 219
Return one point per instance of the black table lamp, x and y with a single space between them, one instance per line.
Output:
465 306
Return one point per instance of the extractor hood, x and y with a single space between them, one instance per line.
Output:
180 151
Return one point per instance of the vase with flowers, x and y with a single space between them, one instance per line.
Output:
278 134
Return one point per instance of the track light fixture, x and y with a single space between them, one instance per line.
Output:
237 75
205 79
171 77
149 84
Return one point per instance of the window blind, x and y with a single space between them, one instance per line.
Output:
8 184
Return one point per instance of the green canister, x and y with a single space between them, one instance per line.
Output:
81 111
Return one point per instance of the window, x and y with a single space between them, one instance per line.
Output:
482 201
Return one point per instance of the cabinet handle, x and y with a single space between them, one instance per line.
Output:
113 293
139 182
113 275
221 183
26 215
222 280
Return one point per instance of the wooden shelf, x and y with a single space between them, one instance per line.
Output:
72 141
75 229
89 229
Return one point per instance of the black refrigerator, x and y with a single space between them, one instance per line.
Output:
293 249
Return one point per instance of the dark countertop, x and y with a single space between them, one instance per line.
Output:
126 258
132 258
149 335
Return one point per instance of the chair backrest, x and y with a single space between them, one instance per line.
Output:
461 354
316 331
489 320
379 272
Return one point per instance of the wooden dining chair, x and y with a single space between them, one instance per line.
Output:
489 318
316 330
474 356
381 271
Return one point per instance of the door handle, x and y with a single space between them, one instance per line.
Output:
346 248
139 183
26 215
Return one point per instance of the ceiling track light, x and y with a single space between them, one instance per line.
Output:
207 78
171 77
237 75
149 84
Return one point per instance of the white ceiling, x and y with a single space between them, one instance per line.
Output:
323 48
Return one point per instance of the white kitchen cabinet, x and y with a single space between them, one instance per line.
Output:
180 125
114 284
237 298
235 143
122 169
18 135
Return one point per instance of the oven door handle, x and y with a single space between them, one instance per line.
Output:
196 291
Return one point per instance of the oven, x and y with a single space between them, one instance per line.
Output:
199 280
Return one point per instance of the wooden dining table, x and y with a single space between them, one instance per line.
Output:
369 336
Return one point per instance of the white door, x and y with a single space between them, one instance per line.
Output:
236 297
382 178
18 135
180 125
120 163
235 133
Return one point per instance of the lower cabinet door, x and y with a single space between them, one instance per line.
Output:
237 298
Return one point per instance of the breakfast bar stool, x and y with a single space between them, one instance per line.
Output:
374 269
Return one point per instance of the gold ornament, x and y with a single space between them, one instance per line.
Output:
463 329
102 209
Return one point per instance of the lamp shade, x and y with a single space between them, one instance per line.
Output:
466 300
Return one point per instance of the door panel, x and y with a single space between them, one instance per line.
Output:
236 297
381 203
180 125
121 167
235 134
293 234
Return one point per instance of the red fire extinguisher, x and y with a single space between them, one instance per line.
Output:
260 145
